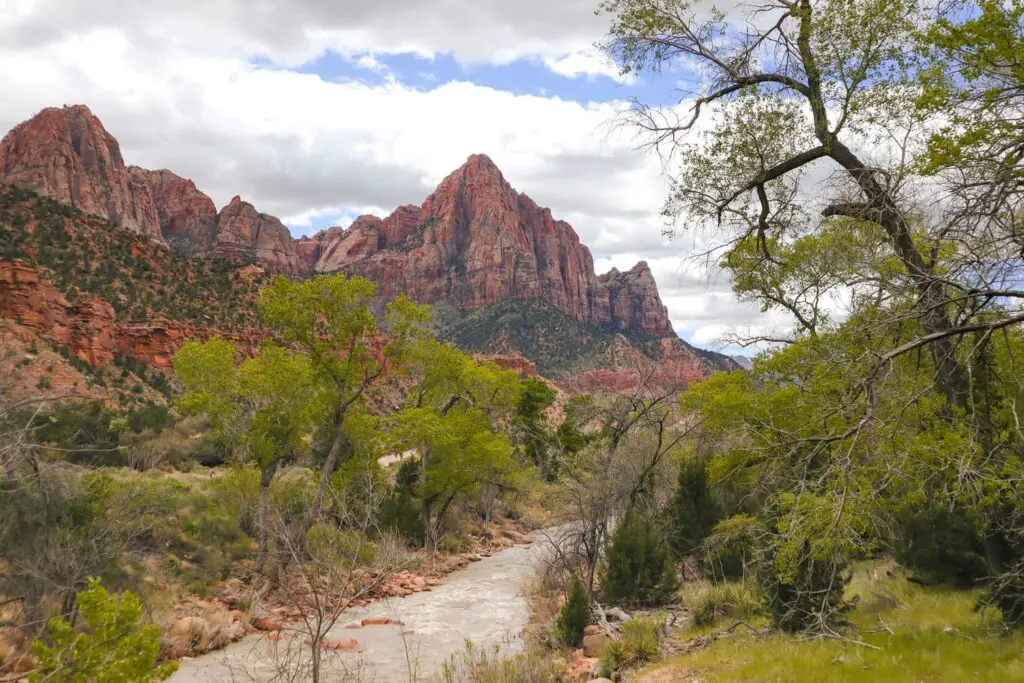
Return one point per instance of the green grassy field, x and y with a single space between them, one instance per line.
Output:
910 633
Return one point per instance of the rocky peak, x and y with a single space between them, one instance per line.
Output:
188 218
474 242
66 153
247 235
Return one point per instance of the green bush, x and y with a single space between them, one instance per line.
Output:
329 545
638 569
401 513
723 601
638 645
575 615
113 648
939 544
808 596
731 550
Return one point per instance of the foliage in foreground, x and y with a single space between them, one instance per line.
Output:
922 633
479 665
113 649
639 644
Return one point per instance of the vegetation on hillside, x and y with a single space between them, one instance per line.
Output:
83 254
555 342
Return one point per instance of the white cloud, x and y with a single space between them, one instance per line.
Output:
588 63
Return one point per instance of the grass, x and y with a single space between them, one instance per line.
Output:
922 634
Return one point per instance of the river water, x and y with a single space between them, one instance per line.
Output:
483 603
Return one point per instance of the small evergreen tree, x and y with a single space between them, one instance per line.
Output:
693 511
575 615
115 648
639 568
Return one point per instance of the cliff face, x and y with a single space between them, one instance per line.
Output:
187 217
88 326
474 242
244 234
67 154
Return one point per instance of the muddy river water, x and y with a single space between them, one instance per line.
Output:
483 603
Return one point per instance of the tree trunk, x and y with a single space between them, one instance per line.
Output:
266 478
341 446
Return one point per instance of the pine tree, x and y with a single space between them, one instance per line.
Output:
575 615
639 569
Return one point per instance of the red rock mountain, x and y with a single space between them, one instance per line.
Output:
475 241
68 154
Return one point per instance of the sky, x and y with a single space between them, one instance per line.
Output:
318 111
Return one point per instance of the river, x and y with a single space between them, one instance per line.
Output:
483 603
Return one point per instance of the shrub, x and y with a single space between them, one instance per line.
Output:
113 649
639 568
723 601
401 513
731 549
693 510
638 645
476 665
575 615
805 592
329 545
940 544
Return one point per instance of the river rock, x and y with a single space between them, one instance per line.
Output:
593 644
381 621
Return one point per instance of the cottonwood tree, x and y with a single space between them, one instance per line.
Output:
266 406
795 87
806 155
451 418
329 320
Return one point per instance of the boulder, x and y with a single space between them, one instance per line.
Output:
593 644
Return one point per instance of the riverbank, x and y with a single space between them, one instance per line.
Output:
408 637
197 626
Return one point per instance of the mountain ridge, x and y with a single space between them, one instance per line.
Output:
475 245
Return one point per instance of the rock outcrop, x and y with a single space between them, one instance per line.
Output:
187 217
88 327
476 241
244 234
66 153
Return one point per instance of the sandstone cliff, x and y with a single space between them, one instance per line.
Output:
187 217
476 242
66 153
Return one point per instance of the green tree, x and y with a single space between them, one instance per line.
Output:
638 566
114 649
532 425
450 419
693 510
575 614
267 406
328 318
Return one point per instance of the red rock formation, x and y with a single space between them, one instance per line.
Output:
67 154
188 218
244 234
88 327
634 303
474 242
675 371
523 366
481 242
